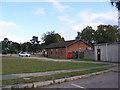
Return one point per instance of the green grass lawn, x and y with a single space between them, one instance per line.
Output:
50 77
14 65
37 55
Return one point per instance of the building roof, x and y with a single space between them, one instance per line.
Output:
62 44
101 44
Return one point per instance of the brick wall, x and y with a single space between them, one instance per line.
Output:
62 52
57 52
77 46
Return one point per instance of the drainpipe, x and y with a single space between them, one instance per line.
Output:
106 52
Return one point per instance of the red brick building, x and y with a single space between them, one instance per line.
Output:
61 49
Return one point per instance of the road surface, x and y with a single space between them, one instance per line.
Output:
106 80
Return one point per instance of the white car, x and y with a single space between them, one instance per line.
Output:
24 54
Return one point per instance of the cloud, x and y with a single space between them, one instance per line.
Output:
105 18
61 32
8 26
10 37
81 26
69 36
59 7
13 37
94 19
40 11
66 18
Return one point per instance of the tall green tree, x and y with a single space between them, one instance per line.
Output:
26 47
35 44
5 45
16 47
78 36
11 49
106 34
9 46
51 37
34 40
87 35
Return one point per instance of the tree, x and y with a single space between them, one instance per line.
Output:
9 46
5 45
103 34
78 36
87 35
35 44
17 47
51 37
25 46
116 3
11 49
35 40
106 34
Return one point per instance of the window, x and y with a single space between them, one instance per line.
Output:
61 52
51 51
56 51
89 48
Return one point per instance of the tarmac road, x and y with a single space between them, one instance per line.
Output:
106 80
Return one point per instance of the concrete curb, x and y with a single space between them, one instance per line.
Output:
50 82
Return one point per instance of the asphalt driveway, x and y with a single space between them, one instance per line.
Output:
106 80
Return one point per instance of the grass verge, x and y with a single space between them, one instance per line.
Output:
16 65
50 77
37 55
91 60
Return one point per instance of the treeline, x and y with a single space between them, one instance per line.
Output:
32 46
103 34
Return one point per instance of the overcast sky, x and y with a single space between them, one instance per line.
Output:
21 20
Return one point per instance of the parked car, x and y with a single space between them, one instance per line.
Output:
24 54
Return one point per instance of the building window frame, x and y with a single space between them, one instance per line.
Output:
51 51
62 52
56 51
